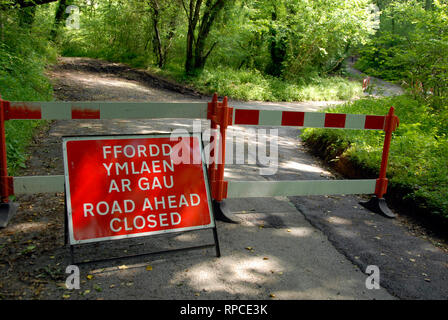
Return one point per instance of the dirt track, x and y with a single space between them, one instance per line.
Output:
33 258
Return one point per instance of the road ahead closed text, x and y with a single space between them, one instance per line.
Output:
132 186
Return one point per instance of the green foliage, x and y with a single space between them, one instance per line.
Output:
292 40
419 149
412 49
23 57
117 31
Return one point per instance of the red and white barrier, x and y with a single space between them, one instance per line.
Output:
307 119
221 116
103 110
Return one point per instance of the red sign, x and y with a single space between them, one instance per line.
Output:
130 186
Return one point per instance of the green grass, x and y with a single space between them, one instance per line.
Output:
253 85
418 169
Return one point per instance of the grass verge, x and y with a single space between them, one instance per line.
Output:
253 85
418 171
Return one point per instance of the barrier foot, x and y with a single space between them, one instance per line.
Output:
378 205
7 211
222 212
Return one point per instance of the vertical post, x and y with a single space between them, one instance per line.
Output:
7 209
220 114
212 107
390 126
4 185
378 203
222 185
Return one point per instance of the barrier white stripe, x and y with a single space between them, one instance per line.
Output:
355 121
54 111
270 118
38 184
314 120
249 189
153 110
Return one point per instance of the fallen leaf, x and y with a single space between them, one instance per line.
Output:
272 295
123 267
66 296
249 248
112 286
148 268
86 291
97 288
197 294
89 277
412 260
265 258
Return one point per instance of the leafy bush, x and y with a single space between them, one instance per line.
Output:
413 50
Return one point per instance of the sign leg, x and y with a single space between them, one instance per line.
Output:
215 236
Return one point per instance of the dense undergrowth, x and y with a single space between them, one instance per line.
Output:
24 54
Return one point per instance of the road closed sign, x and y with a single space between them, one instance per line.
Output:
130 186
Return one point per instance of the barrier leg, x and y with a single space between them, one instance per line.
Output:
377 203
7 209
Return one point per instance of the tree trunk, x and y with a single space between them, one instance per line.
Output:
157 41
195 52
277 50
59 17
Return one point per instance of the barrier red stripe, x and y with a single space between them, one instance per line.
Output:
374 122
78 113
24 112
249 117
335 120
292 118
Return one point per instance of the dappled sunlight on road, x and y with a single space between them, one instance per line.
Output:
338 220
303 167
237 274
298 232
27 227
